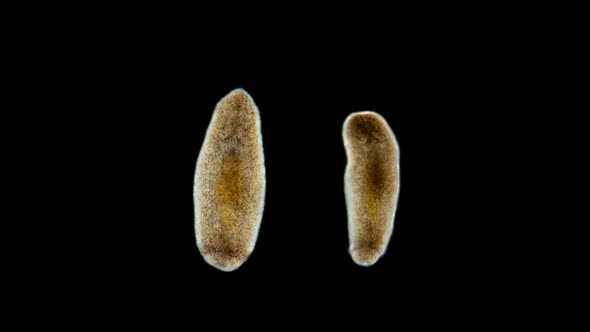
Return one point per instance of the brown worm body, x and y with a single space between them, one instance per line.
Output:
230 183
371 185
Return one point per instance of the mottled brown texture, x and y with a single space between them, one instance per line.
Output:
371 185
230 183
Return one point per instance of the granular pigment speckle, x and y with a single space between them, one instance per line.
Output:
230 183
371 185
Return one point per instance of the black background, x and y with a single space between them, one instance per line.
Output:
96 177
97 184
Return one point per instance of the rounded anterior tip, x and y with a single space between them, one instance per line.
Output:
363 116
364 113
365 256
364 121
225 263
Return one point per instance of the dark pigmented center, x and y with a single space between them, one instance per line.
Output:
230 186
375 181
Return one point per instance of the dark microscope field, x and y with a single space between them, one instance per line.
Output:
98 185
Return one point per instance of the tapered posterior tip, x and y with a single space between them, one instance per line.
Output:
365 256
238 96
224 261
238 91
238 105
